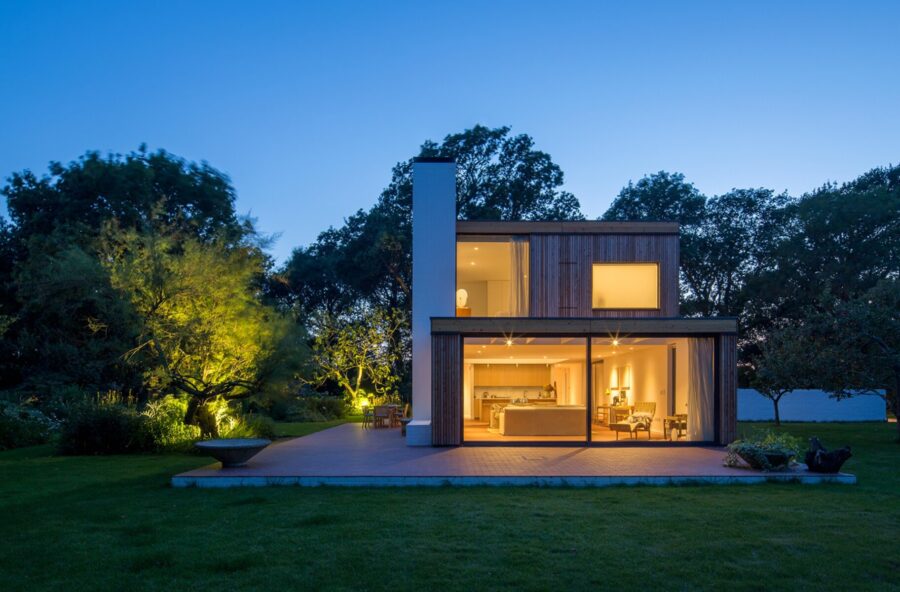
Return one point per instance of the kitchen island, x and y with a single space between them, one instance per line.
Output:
483 403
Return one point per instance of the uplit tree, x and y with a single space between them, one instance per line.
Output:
203 330
69 326
354 351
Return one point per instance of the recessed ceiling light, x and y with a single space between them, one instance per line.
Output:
471 263
476 248
508 342
615 342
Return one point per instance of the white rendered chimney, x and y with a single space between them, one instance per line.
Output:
433 277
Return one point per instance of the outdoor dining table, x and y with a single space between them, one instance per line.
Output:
393 419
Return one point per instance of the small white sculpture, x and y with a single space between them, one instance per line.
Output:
461 298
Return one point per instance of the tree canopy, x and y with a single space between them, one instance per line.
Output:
202 330
133 189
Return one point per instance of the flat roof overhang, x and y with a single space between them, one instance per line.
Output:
676 326
486 227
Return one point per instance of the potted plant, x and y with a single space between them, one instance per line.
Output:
764 451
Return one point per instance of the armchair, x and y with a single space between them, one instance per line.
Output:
640 420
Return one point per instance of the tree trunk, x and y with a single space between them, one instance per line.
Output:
206 420
199 414
777 412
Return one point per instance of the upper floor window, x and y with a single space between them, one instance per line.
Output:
625 286
492 276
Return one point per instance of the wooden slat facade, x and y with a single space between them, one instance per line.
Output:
562 266
562 255
727 357
446 390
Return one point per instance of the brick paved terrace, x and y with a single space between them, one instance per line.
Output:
350 455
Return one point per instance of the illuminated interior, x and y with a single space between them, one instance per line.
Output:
625 285
534 389
492 277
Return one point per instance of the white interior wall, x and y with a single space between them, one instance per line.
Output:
569 379
498 298
478 299
647 375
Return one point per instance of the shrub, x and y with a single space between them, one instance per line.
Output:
764 450
164 424
250 426
21 425
101 427
316 409
59 401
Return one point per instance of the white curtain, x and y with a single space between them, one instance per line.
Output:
468 388
700 411
518 282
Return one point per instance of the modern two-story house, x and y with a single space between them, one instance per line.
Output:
545 332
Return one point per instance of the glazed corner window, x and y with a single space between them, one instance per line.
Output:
625 285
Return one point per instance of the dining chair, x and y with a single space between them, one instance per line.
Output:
381 416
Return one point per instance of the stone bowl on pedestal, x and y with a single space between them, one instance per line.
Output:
233 452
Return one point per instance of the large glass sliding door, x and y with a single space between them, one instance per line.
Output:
525 389
656 389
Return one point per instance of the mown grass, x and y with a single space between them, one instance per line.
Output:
113 523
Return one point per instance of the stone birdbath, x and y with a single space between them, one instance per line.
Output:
233 452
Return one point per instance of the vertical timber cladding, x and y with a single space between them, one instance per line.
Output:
561 271
727 356
446 390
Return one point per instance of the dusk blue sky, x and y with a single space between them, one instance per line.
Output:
307 106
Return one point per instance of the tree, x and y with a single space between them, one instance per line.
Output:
133 190
10 370
203 330
67 320
502 177
72 326
783 366
839 241
731 241
354 352
857 344
661 197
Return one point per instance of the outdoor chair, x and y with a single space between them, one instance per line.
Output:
400 419
367 418
381 417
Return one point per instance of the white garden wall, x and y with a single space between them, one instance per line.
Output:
810 405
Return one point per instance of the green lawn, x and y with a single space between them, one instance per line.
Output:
295 429
114 524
